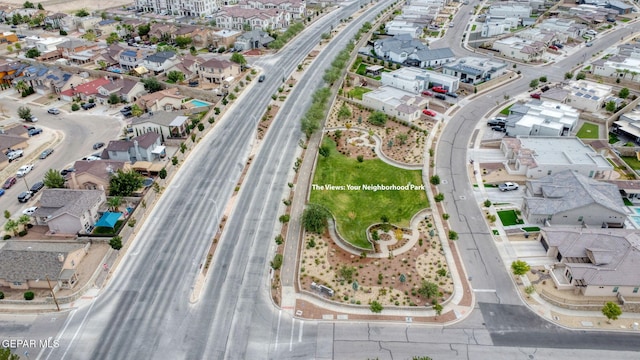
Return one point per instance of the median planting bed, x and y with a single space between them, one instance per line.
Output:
340 185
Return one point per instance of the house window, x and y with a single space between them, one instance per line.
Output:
615 289
580 218
635 290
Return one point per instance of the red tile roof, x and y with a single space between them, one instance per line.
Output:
90 88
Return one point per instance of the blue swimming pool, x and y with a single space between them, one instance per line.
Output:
637 210
636 220
199 103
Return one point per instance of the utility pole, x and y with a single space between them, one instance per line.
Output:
53 294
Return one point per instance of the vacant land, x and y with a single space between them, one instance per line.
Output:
355 208
68 6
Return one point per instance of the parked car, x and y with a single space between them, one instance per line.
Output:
9 183
37 187
24 170
560 46
589 44
1 192
35 131
498 121
24 196
499 128
429 112
32 119
87 106
98 145
15 154
65 172
440 96
30 210
508 186
536 95
427 93
46 153
91 158
453 95
439 89
53 111
553 47
126 109
545 88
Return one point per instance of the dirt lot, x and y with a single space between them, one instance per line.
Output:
72 5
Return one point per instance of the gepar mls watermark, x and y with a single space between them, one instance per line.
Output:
29 343
367 187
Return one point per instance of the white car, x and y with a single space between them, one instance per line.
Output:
30 211
508 186
24 170
91 158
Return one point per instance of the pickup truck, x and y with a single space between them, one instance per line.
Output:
13 155
439 89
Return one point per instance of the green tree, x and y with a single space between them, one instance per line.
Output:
136 110
143 30
376 307
5 354
24 112
378 118
102 64
23 220
520 267
114 203
113 98
116 242
151 84
344 112
183 41
90 35
314 218
53 179
438 309
276 263
112 38
40 7
7 214
543 79
568 75
612 311
238 59
28 5
12 226
162 174
428 289
402 138
581 76
29 295
125 183
18 47
611 106
32 53
82 13
624 93
175 76
534 83
347 272
75 107
435 180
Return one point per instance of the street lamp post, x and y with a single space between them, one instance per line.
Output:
24 177
53 294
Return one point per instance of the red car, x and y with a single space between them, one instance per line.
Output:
9 183
535 95
553 47
427 93
439 89
429 112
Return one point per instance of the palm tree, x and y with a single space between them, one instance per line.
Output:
633 74
24 220
12 226
114 203
21 86
102 64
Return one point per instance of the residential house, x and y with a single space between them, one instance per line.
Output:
296 8
594 262
10 70
67 211
183 8
187 65
45 45
128 90
539 156
396 103
87 23
161 30
130 59
167 100
541 118
85 91
570 198
199 35
621 7
51 266
238 18
416 80
624 65
564 29
520 49
226 38
495 27
538 35
108 26
79 52
397 27
167 124
255 39
474 70
403 49
93 175
587 95
159 61
628 124
109 55
217 70
140 148
629 189
54 21
510 10
8 37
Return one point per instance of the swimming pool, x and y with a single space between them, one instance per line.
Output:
636 220
199 103
637 210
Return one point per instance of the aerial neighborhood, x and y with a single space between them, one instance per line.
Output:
373 161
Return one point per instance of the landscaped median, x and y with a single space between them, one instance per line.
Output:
362 193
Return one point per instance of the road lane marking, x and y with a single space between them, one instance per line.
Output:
278 329
484 290
293 326
67 322
300 331
78 330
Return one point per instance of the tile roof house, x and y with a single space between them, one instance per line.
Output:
110 55
85 91
37 265
55 20
167 124
225 37
160 61
128 90
130 58
216 70
521 49
570 198
236 18
93 175
403 49
396 103
67 211
594 262
140 148
167 100
161 30
254 39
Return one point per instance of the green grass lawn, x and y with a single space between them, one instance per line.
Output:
362 69
508 217
355 210
588 131
632 161
613 138
505 111
531 228
473 27
357 92
625 20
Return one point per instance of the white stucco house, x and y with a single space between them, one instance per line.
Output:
396 103
541 118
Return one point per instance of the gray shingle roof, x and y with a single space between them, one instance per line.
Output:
55 202
160 57
31 260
